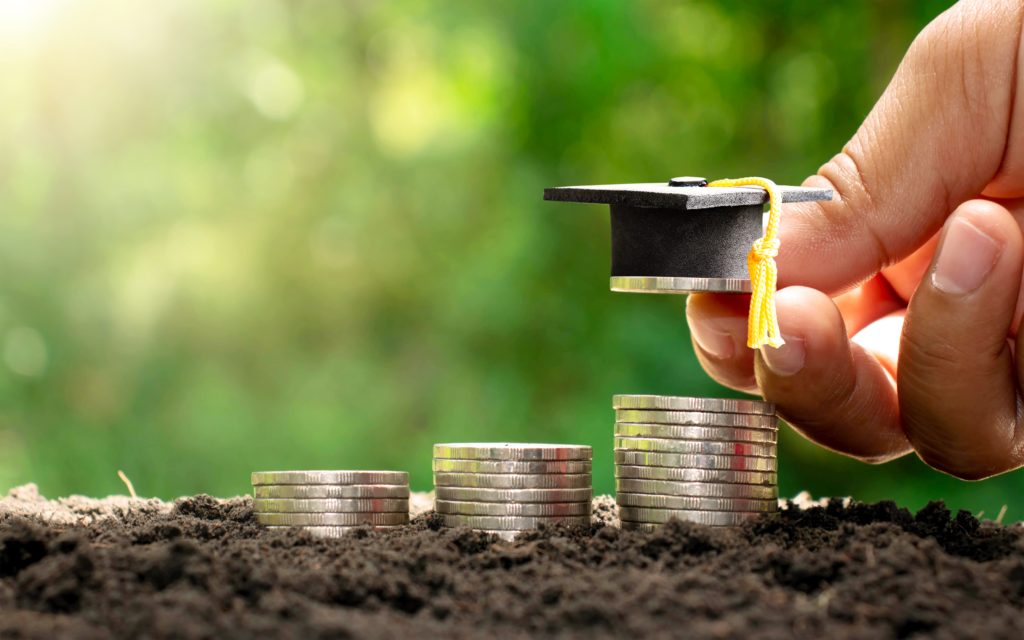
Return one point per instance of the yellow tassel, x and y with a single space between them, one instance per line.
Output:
762 323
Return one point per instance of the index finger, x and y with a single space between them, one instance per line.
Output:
939 135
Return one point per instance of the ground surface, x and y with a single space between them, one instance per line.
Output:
201 568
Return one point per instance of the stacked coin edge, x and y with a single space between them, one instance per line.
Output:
331 504
704 460
507 488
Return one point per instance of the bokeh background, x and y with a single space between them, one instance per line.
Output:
240 235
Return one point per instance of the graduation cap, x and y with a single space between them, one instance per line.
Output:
682 236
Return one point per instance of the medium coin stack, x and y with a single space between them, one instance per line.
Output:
703 460
330 504
505 488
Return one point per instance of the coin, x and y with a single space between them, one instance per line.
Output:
511 522
512 466
683 403
668 445
330 477
658 516
515 495
334 532
651 527
748 421
511 451
697 504
513 508
694 461
657 284
513 481
321 505
719 434
696 475
331 491
697 489
331 519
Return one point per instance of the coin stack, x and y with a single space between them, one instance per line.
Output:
331 503
505 488
703 460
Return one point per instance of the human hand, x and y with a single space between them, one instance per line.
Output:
922 254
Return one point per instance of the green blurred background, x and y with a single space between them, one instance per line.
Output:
241 235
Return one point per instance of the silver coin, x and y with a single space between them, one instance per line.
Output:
513 508
331 505
511 522
655 284
331 491
515 495
512 466
331 519
694 461
667 445
330 477
334 532
658 516
651 527
511 451
743 420
697 489
677 432
683 403
513 480
769 478
696 504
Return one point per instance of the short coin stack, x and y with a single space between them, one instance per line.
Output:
331 503
505 488
703 460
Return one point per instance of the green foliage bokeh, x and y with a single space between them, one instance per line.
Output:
257 235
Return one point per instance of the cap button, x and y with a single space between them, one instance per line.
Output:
687 181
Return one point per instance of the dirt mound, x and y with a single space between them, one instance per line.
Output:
205 569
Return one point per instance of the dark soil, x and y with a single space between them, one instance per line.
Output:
206 570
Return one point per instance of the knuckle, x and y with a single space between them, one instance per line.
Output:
921 350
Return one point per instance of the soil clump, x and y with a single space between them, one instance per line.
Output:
202 568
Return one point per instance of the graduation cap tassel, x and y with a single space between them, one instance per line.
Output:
762 323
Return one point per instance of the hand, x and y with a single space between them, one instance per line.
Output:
922 253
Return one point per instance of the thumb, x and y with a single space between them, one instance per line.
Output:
945 130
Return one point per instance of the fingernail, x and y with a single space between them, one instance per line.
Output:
965 258
788 359
716 336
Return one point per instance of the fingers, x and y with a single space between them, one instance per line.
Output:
718 328
957 384
937 137
831 390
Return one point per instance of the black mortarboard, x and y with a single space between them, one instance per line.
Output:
682 236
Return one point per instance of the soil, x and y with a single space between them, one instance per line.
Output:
202 568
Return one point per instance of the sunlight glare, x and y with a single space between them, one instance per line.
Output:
21 21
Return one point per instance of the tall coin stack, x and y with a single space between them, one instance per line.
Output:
331 503
698 459
505 488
